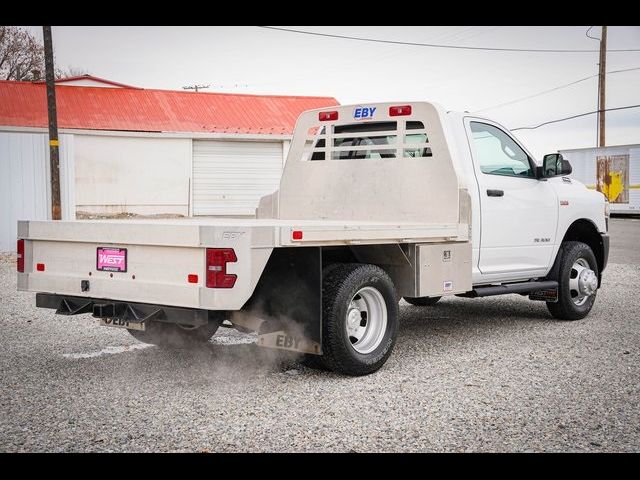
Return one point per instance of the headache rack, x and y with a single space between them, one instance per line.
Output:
379 162
385 139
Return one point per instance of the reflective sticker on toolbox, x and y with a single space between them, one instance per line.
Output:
111 259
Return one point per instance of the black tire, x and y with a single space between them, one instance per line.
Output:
339 286
565 308
176 336
422 301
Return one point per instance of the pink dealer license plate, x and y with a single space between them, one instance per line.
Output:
111 259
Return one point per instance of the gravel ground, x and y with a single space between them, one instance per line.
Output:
624 239
495 374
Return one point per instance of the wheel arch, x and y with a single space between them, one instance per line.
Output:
396 259
585 231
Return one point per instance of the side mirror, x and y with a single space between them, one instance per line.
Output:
554 165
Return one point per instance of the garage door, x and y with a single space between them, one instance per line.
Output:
230 177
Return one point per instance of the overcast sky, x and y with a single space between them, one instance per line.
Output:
255 60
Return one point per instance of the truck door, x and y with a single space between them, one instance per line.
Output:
518 213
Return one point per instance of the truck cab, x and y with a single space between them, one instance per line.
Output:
521 214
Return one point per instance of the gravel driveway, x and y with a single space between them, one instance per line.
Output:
492 374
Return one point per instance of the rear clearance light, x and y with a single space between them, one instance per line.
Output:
400 111
192 278
40 267
328 116
297 235
217 259
20 263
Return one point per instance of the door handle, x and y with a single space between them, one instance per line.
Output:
495 193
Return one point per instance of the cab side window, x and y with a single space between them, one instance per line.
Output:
498 154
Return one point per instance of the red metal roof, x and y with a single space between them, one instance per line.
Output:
24 104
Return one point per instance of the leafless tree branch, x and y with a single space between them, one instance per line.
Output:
22 57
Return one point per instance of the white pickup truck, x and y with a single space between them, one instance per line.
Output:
376 202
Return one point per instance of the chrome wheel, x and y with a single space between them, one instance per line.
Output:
366 320
583 282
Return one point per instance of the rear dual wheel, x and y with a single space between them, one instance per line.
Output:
359 319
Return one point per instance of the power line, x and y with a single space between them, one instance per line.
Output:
589 36
559 87
573 116
435 45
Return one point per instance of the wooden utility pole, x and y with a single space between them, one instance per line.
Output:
602 90
54 144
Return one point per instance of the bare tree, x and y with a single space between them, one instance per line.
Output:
70 72
21 55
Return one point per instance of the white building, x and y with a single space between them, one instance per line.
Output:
613 170
127 150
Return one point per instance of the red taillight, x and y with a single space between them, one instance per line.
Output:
40 267
192 278
217 259
400 111
297 235
20 263
327 116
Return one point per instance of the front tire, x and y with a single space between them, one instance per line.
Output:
359 320
173 335
577 277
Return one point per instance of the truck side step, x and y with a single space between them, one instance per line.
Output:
522 288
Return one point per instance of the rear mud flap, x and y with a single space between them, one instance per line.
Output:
289 298
283 341
549 295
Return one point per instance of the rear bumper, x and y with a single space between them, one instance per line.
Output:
132 312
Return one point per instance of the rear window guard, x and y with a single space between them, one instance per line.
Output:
371 140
